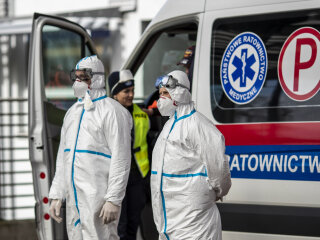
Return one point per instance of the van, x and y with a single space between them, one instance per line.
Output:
255 75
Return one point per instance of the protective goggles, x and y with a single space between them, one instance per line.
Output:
83 74
168 81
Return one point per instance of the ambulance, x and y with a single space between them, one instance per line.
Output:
256 75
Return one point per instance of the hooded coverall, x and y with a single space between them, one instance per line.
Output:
189 172
93 160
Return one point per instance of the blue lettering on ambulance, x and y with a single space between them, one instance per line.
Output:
275 162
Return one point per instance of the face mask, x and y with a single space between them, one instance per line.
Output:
80 89
166 106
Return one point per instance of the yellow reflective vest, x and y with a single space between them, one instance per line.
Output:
140 147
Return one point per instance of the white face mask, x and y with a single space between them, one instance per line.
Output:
80 89
166 106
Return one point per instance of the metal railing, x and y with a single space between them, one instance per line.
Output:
16 187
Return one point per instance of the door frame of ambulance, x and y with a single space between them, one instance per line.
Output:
236 208
150 37
39 144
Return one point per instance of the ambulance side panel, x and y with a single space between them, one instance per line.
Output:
280 200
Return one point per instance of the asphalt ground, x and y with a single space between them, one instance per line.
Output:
18 230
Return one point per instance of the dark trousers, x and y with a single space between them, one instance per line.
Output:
132 206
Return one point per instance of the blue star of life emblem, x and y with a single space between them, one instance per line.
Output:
244 68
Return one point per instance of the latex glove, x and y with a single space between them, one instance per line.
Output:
109 212
54 210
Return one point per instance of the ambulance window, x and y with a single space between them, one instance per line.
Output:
160 56
245 54
61 50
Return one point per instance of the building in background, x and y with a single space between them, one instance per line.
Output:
115 26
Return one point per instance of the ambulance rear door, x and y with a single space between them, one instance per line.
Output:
56 46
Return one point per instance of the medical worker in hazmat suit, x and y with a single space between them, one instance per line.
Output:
94 157
190 170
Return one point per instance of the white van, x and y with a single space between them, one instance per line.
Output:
256 76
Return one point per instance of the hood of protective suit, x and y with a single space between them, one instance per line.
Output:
179 94
97 86
97 81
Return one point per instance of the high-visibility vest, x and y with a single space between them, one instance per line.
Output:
140 147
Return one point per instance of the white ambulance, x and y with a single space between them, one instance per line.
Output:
256 75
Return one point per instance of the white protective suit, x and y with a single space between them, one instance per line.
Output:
93 160
189 171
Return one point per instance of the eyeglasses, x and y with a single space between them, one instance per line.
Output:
85 74
168 81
